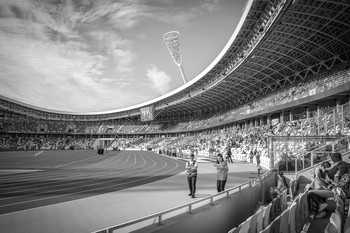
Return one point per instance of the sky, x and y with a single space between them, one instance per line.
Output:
103 55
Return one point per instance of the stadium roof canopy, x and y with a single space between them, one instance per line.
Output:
277 43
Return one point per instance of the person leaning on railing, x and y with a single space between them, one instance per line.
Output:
337 176
319 176
282 185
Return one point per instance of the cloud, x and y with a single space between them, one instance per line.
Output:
51 49
125 14
141 36
209 5
46 74
172 12
117 49
116 14
159 79
52 54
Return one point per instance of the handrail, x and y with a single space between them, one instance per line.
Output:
318 150
159 215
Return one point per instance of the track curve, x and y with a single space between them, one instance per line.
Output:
61 176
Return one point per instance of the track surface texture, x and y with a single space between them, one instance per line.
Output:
33 179
80 191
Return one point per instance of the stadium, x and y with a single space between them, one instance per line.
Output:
277 97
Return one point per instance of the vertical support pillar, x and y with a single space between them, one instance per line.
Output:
349 106
269 120
334 123
318 119
308 119
342 119
282 117
271 153
337 102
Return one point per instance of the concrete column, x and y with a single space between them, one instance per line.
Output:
269 120
282 117
337 101
318 119
307 112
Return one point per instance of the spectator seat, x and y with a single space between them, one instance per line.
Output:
292 217
284 222
330 228
267 215
335 219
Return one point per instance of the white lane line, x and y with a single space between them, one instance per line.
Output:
38 153
74 162
133 181
63 182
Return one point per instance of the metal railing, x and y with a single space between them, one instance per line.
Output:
340 145
308 159
159 217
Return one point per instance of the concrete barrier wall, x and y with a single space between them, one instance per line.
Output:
225 214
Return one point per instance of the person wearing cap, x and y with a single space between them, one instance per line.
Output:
192 167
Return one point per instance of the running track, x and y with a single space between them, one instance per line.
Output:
30 179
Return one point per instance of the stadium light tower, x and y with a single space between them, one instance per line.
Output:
172 41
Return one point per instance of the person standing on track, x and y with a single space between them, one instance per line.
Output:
222 168
192 167
229 155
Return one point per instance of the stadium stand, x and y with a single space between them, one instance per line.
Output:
278 97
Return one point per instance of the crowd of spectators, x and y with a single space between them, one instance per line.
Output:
253 141
249 140
303 89
22 119
44 143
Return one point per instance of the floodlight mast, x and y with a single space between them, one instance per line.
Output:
172 41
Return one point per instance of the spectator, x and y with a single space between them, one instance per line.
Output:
222 168
319 177
282 185
229 155
339 176
192 167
